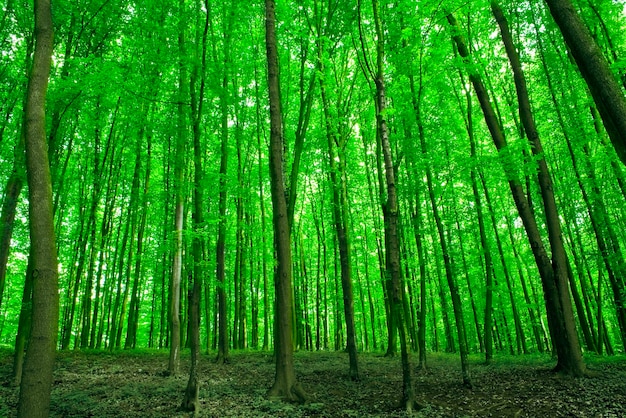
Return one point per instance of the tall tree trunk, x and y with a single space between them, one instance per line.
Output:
569 345
484 243
285 384
416 218
113 340
553 272
95 338
447 259
223 355
133 310
93 251
337 162
605 89
190 400
34 400
266 305
73 288
179 175
390 214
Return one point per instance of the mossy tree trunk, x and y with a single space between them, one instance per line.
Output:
36 384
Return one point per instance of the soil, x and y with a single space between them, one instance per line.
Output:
133 384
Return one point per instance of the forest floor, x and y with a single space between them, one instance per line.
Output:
133 384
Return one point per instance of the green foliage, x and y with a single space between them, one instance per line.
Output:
114 89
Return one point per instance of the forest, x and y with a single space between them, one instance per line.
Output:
312 208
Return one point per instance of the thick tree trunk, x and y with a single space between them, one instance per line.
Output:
604 88
285 385
34 400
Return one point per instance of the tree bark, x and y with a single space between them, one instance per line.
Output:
34 400
179 174
595 69
285 385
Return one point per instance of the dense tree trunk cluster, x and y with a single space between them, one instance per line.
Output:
401 221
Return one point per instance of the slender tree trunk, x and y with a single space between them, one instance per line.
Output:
535 316
24 325
190 400
96 189
340 215
466 271
285 384
416 217
70 311
372 307
113 339
95 338
9 205
223 355
390 211
179 175
135 296
391 334
553 272
484 243
166 254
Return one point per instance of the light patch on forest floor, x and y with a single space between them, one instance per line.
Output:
133 384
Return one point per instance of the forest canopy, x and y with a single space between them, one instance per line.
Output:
370 175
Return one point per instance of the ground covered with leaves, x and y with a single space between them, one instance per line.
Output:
133 384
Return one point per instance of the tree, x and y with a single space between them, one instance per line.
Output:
36 381
179 174
393 269
223 355
553 272
605 90
285 385
336 138
190 400
567 345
